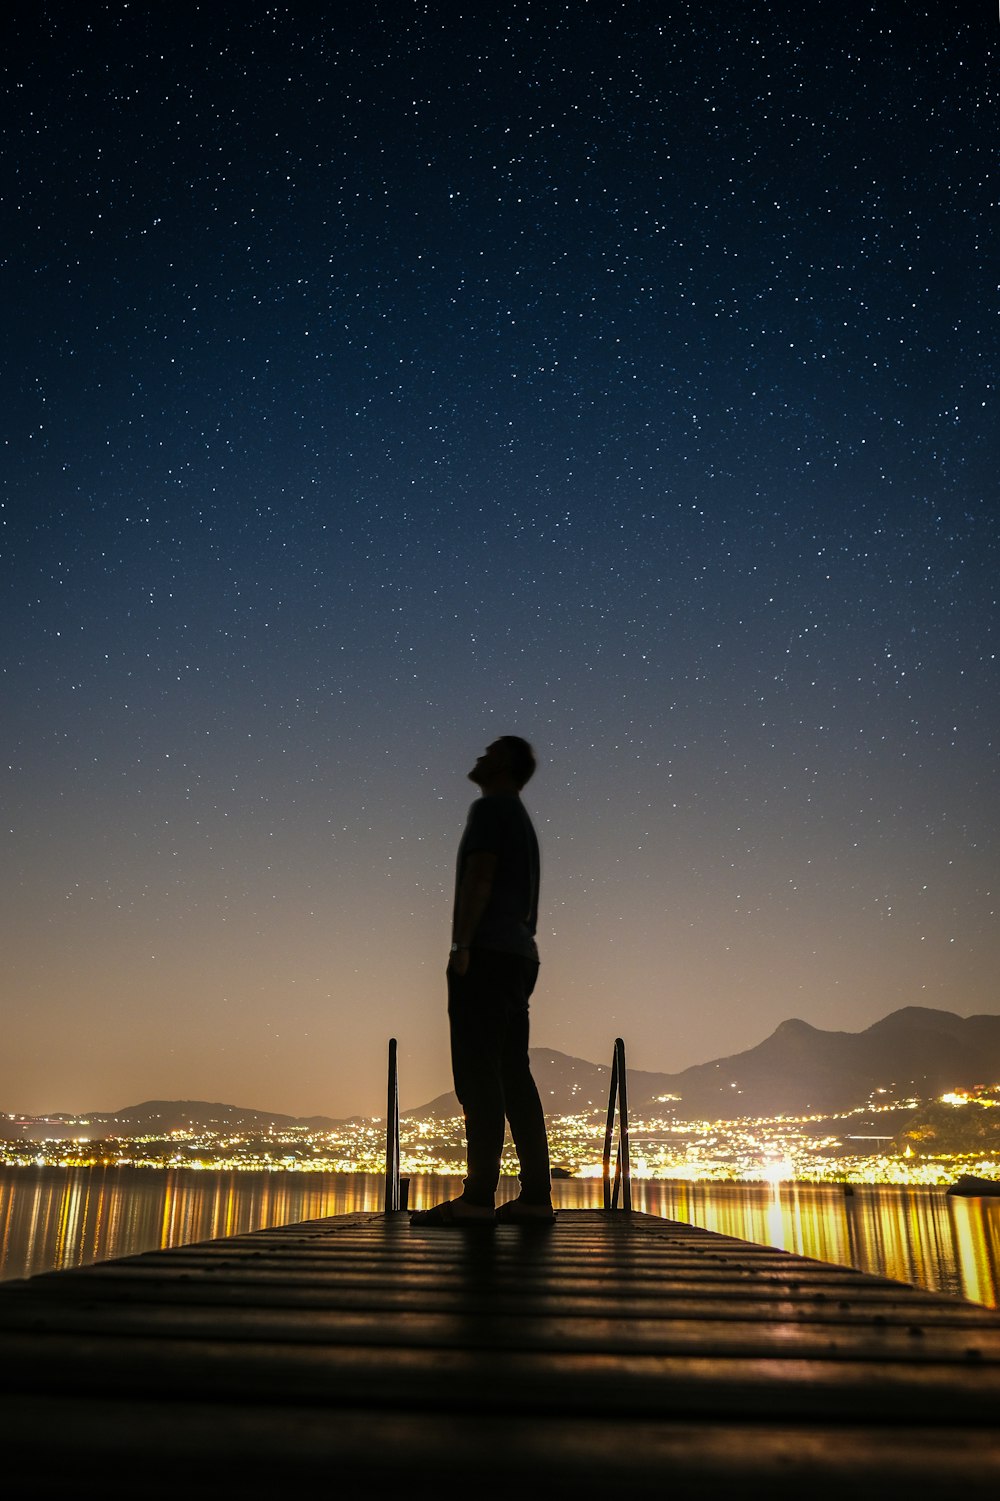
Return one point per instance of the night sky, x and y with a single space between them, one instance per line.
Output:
383 377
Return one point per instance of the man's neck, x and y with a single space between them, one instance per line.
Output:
501 787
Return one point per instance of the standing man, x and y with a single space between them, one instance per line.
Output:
491 974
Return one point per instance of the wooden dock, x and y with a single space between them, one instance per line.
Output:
612 1351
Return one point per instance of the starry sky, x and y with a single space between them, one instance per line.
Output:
384 377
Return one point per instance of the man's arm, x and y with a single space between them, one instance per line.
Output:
473 897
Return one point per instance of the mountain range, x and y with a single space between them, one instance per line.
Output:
798 1070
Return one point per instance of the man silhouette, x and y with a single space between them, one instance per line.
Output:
491 974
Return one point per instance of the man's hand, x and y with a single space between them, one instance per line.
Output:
473 897
458 964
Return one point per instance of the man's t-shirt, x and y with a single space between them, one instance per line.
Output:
500 825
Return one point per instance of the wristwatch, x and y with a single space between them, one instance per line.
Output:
460 948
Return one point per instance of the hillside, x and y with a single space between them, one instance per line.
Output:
798 1070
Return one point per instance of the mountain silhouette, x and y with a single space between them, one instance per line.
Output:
798 1070
160 1117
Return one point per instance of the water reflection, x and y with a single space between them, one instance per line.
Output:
976 1228
52 1218
914 1235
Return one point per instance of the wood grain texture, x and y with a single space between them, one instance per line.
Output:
608 1351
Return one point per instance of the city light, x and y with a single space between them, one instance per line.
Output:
910 1148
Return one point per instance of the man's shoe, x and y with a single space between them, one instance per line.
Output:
522 1212
455 1212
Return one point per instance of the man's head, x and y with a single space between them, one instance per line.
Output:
505 766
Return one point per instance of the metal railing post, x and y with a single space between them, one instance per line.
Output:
392 1134
623 1170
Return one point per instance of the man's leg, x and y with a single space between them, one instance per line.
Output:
476 1008
523 1106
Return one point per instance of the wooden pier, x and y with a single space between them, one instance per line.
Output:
611 1352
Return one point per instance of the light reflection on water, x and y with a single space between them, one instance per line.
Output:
51 1218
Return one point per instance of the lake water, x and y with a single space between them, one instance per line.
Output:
51 1218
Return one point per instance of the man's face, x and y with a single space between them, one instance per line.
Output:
494 760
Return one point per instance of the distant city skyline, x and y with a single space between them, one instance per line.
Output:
383 379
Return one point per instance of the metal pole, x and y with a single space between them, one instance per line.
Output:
623 1156
392 1134
623 1171
609 1131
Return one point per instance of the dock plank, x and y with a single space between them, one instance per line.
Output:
618 1345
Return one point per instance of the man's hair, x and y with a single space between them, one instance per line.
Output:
522 758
